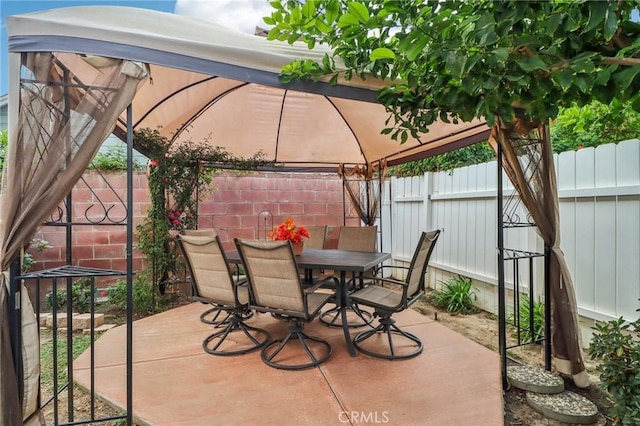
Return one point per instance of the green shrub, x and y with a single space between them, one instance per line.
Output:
457 295
113 159
527 335
619 351
80 296
145 301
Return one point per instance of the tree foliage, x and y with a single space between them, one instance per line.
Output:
594 124
473 154
459 59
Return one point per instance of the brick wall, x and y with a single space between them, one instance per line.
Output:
233 208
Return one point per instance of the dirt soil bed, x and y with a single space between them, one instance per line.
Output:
482 327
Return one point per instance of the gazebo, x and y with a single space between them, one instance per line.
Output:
78 74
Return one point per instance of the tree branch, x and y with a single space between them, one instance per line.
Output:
622 61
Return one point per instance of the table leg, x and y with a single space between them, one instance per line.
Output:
343 298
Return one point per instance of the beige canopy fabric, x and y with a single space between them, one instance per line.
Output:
211 83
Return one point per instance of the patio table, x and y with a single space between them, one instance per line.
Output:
337 260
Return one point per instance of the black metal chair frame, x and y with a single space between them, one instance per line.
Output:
387 325
295 319
333 318
236 313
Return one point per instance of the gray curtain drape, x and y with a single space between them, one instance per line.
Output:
531 169
62 120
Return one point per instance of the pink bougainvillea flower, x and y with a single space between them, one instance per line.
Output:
154 163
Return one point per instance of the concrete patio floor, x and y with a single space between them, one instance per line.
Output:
455 381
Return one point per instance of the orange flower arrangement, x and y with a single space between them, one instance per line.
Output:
289 231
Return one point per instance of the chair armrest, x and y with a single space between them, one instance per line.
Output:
320 282
389 281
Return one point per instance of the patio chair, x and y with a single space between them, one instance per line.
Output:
276 287
218 316
214 283
318 234
395 298
354 238
316 241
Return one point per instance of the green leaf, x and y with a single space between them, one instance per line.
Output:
564 78
610 23
625 77
553 22
309 8
597 12
532 64
502 53
322 26
360 11
269 20
332 11
404 136
416 48
347 20
382 53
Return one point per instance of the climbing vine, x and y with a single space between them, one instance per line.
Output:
178 178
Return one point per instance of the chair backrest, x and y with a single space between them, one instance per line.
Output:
209 268
316 238
202 232
358 238
273 276
420 261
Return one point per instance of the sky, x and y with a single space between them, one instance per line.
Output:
242 15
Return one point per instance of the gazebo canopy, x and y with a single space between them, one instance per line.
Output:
211 83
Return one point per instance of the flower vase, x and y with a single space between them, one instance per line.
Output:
297 247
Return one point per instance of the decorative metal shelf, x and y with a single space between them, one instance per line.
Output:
69 271
511 254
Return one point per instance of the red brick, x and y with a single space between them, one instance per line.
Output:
51 254
226 196
278 196
240 209
117 237
82 194
243 233
226 221
253 196
329 196
250 221
210 207
109 251
239 183
264 183
272 208
88 238
305 196
83 252
287 184
93 263
317 209
334 185
292 209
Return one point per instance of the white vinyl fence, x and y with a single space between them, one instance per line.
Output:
599 192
